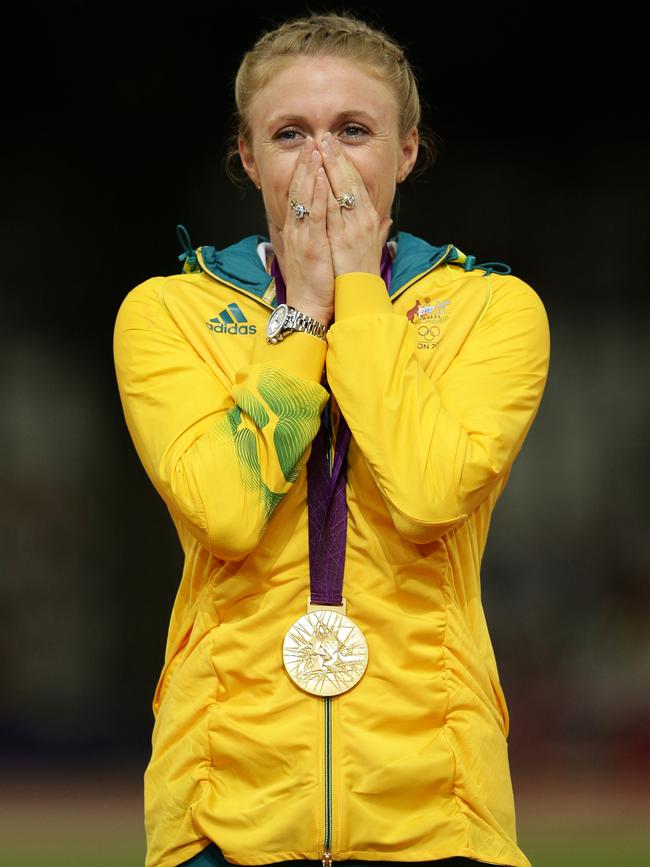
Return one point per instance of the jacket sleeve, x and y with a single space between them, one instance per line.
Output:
436 449
221 454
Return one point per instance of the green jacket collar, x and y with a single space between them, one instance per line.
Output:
239 264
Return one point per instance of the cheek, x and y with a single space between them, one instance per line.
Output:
276 183
279 172
375 171
363 163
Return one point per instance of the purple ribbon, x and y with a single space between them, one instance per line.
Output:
327 502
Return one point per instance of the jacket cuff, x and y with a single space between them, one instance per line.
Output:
359 292
300 353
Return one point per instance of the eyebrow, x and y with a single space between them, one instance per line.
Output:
342 115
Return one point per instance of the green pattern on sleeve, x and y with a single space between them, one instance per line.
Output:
233 417
250 404
251 475
232 430
296 405
292 400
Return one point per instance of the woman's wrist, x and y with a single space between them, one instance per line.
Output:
320 314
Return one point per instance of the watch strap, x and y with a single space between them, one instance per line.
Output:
298 321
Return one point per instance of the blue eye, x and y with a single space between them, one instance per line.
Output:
281 135
356 126
290 135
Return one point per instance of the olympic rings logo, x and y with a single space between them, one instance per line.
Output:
428 332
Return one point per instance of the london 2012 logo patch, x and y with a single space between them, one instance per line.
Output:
426 315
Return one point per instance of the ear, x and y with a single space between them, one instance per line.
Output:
408 154
248 162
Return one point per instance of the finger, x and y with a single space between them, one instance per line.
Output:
309 182
341 180
335 220
341 166
303 193
300 171
318 210
343 173
355 182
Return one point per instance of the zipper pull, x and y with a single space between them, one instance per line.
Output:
188 258
327 857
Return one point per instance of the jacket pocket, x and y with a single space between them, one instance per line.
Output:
181 760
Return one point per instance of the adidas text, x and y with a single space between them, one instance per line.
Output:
235 328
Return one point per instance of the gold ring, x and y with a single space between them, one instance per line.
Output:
346 200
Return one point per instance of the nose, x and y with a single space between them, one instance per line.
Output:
321 137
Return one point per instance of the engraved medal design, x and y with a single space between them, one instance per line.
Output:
325 652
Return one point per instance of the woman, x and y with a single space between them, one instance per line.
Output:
330 417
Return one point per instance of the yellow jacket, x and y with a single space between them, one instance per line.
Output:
439 382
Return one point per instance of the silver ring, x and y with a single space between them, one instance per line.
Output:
298 208
346 200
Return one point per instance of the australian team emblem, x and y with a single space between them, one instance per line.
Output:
426 315
428 309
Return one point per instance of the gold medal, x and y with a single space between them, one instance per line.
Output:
324 651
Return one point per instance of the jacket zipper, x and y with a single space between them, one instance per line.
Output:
326 857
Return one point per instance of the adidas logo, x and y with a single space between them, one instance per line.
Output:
231 320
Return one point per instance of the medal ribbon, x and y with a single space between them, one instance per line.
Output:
327 502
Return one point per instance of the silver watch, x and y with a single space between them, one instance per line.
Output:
285 319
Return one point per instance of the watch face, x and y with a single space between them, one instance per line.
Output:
277 320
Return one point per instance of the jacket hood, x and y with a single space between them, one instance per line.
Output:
240 265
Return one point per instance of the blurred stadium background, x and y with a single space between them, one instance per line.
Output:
118 116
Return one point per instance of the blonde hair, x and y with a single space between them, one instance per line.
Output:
334 35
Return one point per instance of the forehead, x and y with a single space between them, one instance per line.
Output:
319 89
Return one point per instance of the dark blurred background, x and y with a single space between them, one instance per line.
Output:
115 120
